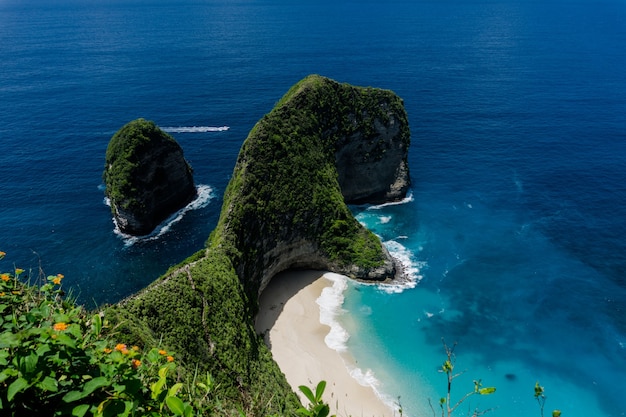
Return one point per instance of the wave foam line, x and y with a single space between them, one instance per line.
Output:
367 378
195 129
405 200
410 267
330 302
205 194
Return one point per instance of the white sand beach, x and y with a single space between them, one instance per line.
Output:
290 318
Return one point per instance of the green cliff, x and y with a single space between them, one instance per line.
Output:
283 208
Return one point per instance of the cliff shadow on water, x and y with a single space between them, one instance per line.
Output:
323 145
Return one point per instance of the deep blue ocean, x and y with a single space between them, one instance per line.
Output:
515 232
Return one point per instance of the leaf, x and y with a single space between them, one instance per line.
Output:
319 391
72 396
303 412
6 373
49 384
307 393
174 390
175 405
321 410
113 408
94 384
64 339
29 363
88 388
43 349
487 390
80 410
16 386
97 324
163 372
157 388
8 340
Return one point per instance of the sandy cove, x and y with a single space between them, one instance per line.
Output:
290 317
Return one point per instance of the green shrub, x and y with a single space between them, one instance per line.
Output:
57 359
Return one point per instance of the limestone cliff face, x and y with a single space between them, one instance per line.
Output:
372 162
323 145
146 176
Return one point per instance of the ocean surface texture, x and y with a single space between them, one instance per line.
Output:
514 233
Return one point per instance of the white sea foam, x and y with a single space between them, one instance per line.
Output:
205 194
407 199
410 267
368 378
330 302
385 219
195 129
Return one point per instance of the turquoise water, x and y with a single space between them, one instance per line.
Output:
514 234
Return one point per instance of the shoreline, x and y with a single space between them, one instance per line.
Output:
289 318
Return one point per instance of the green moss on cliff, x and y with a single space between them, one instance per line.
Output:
121 162
284 188
200 312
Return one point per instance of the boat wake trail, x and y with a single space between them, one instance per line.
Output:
195 129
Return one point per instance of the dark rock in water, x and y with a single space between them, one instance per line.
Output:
510 377
372 160
146 176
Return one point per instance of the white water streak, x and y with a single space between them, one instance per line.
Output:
195 129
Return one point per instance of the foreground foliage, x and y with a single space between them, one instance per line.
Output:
57 359
446 404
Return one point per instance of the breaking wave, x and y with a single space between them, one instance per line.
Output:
330 302
407 199
205 194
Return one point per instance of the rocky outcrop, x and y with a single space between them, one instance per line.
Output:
372 162
146 176
324 144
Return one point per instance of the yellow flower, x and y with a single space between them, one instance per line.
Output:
107 350
57 280
2 254
18 271
5 277
170 359
135 363
1 294
135 348
162 352
59 327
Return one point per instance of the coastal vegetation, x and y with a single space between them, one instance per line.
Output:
121 163
146 177
57 359
283 208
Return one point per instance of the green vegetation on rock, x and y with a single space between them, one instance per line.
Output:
283 208
146 176
121 162
284 191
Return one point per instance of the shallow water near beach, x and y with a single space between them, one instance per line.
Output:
514 232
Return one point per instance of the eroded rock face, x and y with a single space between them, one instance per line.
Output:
325 144
146 176
373 168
